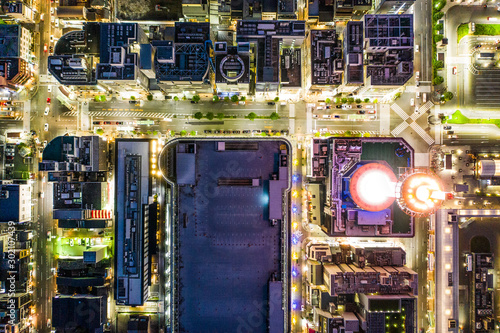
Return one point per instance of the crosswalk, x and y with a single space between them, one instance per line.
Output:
124 114
396 108
426 107
427 138
401 127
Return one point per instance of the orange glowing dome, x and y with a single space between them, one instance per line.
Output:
372 187
420 193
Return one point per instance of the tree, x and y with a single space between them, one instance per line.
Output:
210 116
243 98
183 132
172 133
184 98
216 99
358 100
132 98
234 98
276 98
274 116
337 100
350 100
155 133
438 27
198 115
448 95
226 99
367 100
328 101
196 98
347 133
251 116
220 116
437 16
397 95
366 135
437 63
148 132
438 38
192 133
150 97
375 100
99 131
437 80
343 100
133 132
176 98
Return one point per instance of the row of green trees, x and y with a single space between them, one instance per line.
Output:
252 116
347 100
437 14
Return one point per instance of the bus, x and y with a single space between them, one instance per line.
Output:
468 262
145 122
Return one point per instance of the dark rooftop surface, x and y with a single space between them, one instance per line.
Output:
326 58
228 250
9 206
291 67
9 40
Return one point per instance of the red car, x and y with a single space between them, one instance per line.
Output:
48 100
45 47
454 71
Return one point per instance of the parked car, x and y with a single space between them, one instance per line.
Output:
271 103
47 109
207 131
447 127
372 111
46 127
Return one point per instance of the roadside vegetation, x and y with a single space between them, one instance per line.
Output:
458 118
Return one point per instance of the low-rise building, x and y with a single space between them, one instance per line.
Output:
326 59
232 67
86 312
19 11
15 44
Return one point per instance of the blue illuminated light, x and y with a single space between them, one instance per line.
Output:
295 305
295 178
294 272
294 209
295 240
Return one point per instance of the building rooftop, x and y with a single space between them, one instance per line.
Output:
9 40
79 311
389 50
217 251
290 67
326 58
353 52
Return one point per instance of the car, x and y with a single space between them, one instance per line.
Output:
417 75
45 47
373 117
418 94
46 127
327 116
424 97
336 116
41 195
416 109
284 132
52 11
274 131
454 71
207 131
49 237
217 131
328 107
359 106
450 132
246 131
417 83
51 38
412 102
107 123
319 107
133 102
281 103
42 17
48 100
447 127
369 107
226 132
361 111
236 132
97 122
51 49
271 103
9 165
372 111
338 106
416 47
119 123
44 143
322 103
193 102
241 103
57 23
477 46
452 136
46 112
346 107
49 88
315 116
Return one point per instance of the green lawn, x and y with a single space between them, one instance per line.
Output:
459 118
487 29
462 31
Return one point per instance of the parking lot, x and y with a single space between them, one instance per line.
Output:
486 87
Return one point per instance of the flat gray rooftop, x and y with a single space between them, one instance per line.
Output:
228 249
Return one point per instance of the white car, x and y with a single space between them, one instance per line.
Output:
46 112
416 47
315 116
346 107
49 89
52 11
369 106
327 116
417 75
46 127
412 102
424 97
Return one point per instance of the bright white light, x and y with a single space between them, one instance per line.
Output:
375 186
423 193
